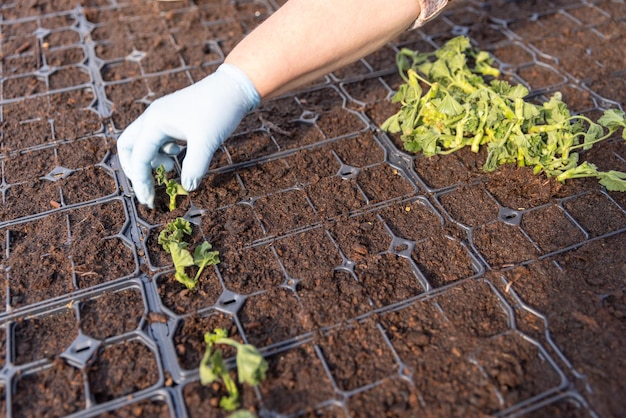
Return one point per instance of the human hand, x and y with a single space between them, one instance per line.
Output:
203 114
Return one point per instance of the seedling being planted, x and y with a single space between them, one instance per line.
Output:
203 256
448 104
172 187
251 366
171 239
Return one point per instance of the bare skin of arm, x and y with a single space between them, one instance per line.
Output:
306 39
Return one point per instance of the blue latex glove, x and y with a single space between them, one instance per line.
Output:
203 114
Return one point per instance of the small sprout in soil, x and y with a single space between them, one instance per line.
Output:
202 257
172 187
171 239
251 367
448 105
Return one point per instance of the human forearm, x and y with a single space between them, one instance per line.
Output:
306 39
302 41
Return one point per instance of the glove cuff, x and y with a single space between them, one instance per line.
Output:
243 83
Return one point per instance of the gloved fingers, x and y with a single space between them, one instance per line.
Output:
145 151
170 148
196 162
126 142
164 160
164 157
129 137
144 192
143 182
146 148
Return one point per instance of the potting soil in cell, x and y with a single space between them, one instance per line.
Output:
374 281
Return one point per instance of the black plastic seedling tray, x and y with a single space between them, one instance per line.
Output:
376 282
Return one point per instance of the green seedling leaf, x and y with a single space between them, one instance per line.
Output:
181 255
449 106
614 119
594 132
172 187
583 170
212 367
182 258
392 124
230 403
461 109
160 175
183 225
203 256
251 366
174 232
212 338
483 65
614 181
171 239
453 47
500 87
183 278
556 112
440 70
413 91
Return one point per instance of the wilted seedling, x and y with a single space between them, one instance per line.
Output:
459 108
251 366
171 239
172 187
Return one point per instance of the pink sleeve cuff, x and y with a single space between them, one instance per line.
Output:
429 10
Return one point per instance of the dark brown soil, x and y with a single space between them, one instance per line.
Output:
586 323
123 310
148 408
357 355
180 300
308 256
46 337
52 274
360 235
333 297
273 317
110 378
251 270
55 391
300 373
375 282
202 401
284 211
